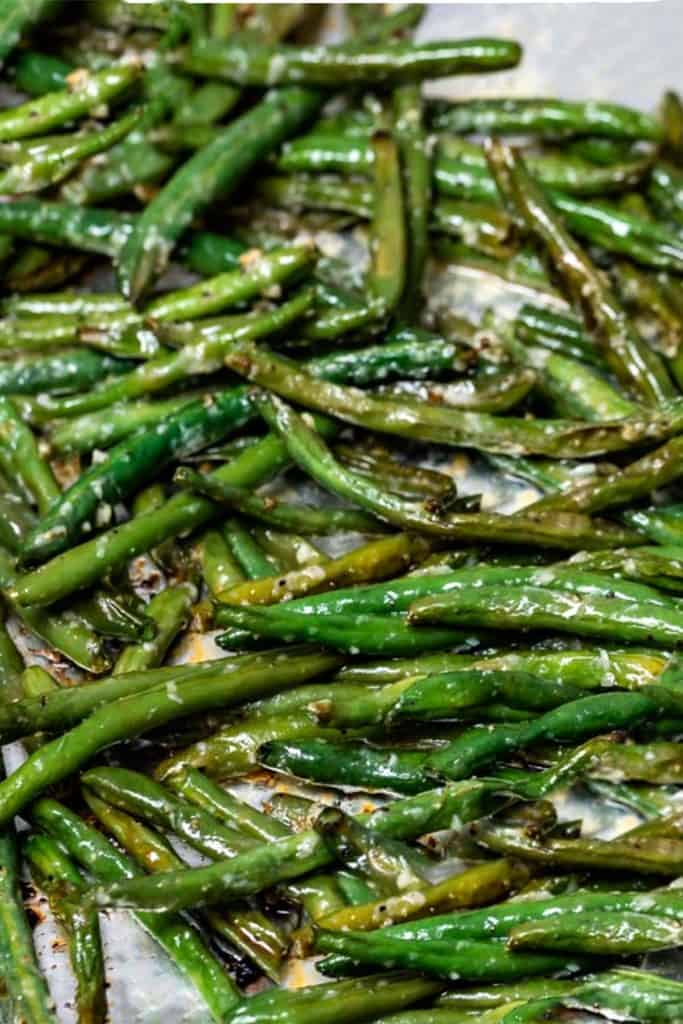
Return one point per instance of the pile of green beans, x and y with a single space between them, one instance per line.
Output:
276 514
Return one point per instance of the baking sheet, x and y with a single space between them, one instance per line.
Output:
614 51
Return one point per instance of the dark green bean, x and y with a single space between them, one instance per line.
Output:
86 92
354 64
547 118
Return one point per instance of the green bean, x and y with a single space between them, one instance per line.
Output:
202 792
671 116
390 865
485 227
224 880
661 525
69 706
39 332
636 480
646 242
129 166
19 455
354 633
16 517
194 787
400 595
71 370
470 961
35 268
214 169
547 118
128 464
404 479
643 996
642 292
355 64
37 73
377 560
86 92
67 303
307 711
287 858
131 342
246 551
209 253
557 332
115 614
558 438
511 608
298 813
408 353
604 934
574 720
649 857
93 230
206 104
476 997
65 632
443 695
56 873
586 668
250 279
104 428
173 560
367 316
546 476
411 140
318 193
592 760
476 886
169 611
88 562
498 922
316 893
572 388
182 943
636 365
464 175
170 139
273 512
355 765
49 161
220 569
35 682
387 273
234 749
140 713
290 550
343 1002
494 391
25 986
666 190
